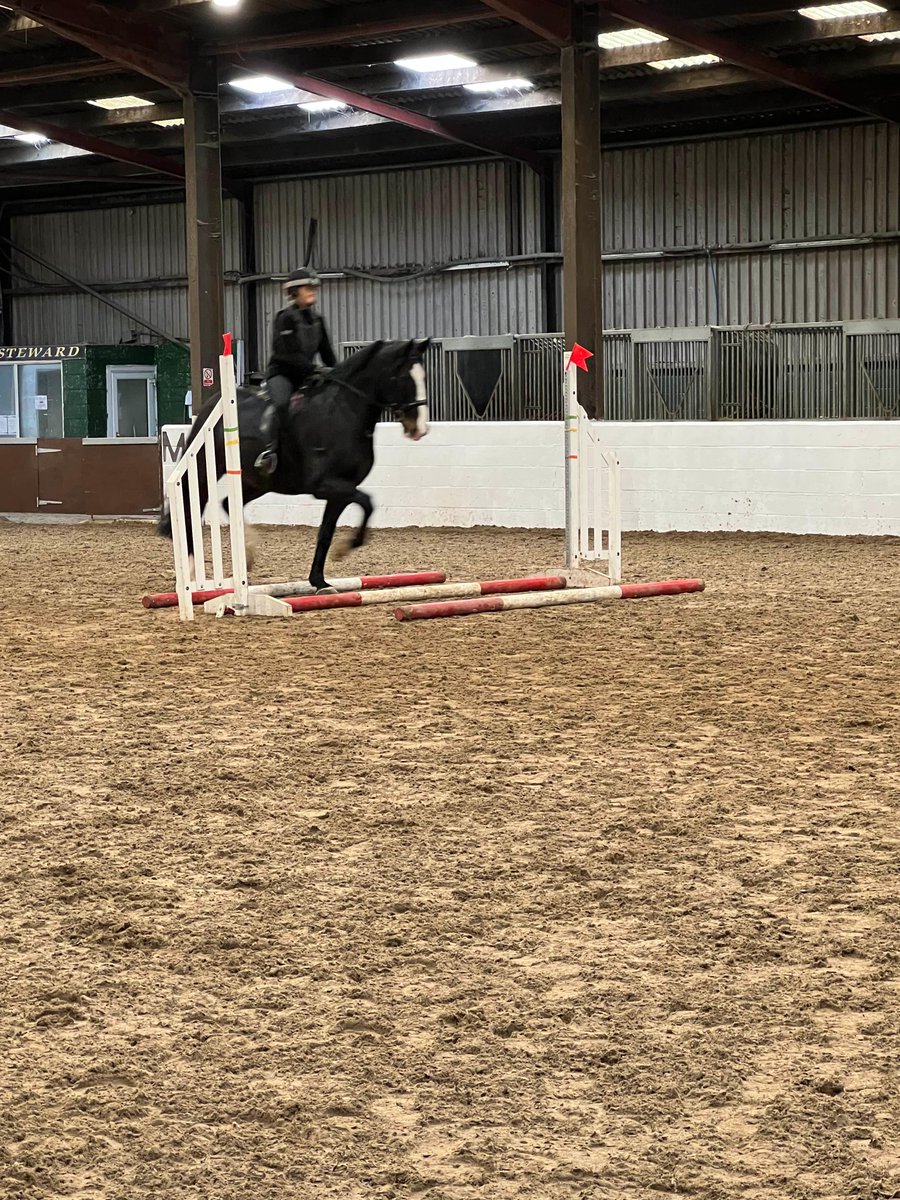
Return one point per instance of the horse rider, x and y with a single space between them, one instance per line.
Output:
299 336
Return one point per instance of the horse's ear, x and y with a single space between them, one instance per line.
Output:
414 351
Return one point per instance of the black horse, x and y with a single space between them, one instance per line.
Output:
326 441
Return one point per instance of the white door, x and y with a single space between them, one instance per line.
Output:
131 401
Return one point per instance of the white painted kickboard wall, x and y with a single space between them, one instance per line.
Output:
826 477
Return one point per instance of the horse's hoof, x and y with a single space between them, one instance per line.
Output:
250 546
342 548
327 590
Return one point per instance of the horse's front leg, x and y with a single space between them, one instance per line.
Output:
358 537
334 506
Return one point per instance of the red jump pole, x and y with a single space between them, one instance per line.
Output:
493 587
300 587
483 604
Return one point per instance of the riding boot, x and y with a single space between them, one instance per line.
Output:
267 462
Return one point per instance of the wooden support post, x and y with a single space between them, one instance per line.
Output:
550 279
6 279
581 210
204 221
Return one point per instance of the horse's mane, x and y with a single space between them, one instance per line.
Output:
349 368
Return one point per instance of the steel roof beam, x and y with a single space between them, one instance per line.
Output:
551 20
460 41
93 145
327 30
90 68
733 51
161 53
391 112
783 35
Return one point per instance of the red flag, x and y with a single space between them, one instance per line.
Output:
578 357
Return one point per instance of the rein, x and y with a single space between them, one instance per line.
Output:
330 379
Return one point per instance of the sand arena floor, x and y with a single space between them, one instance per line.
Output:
590 902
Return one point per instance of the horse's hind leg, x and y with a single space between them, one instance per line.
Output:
359 535
333 509
250 540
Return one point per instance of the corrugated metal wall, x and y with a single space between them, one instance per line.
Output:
712 204
771 187
774 188
113 245
405 221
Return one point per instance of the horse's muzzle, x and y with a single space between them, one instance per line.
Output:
418 430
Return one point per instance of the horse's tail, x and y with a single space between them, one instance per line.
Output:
164 528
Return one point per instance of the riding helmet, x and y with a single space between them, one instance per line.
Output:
302 277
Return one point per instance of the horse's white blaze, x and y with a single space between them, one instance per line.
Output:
417 371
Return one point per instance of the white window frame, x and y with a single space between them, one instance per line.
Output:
17 415
124 371
16 363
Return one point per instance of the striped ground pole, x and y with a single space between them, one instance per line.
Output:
492 587
301 587
503 603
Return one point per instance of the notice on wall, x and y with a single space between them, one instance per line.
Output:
40 403
3 430
12 426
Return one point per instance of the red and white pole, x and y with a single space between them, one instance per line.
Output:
486 604
300 587
493 587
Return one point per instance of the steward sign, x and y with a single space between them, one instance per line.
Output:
23 353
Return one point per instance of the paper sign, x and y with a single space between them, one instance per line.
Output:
209 377
3 432
40 402
12 426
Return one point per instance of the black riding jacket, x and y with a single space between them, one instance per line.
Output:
298 335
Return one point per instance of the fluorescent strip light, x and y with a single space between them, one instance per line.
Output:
629 37
480 266
837 12
169 122
114 103
892 36
230 4
680 64
427 63
315 107
260 85
500 85
31 139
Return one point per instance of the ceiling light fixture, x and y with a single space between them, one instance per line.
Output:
32 139
681 64
315 107
837 12
892 36
169 122
426 64
260 85
629 37
114 103
499 85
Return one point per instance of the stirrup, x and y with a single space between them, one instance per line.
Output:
266 462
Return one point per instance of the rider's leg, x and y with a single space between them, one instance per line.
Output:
280 390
